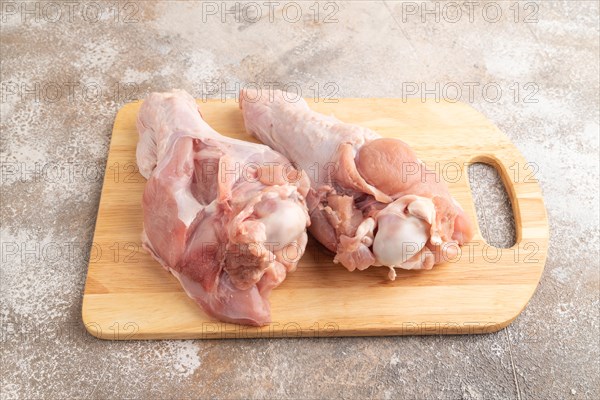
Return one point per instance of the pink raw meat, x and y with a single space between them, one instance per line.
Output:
228 218
372 201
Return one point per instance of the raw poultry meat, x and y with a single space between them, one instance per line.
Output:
228 218
372 201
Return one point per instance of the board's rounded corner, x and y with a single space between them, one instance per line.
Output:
131 106
92 327
507 321
499 325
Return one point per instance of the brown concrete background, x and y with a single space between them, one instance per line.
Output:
366 49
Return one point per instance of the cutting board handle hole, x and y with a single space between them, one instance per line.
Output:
494 210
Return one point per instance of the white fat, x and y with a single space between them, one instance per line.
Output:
187 205
211 208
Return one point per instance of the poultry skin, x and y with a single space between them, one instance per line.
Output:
226 217
372 201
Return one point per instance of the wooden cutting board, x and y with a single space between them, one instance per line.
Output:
128 295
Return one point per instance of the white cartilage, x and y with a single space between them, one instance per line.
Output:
403 229
284 221
399 238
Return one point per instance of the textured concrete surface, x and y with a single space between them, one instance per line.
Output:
65 71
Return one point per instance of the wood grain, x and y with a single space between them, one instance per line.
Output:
130 296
